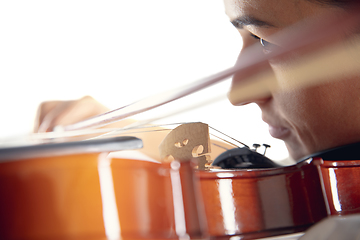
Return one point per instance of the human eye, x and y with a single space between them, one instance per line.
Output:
267 46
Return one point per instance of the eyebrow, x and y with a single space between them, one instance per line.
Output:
242 21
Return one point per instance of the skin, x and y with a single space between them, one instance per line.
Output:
310 119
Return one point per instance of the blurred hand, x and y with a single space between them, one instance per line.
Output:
59 113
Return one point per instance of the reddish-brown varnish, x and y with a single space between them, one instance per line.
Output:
87 196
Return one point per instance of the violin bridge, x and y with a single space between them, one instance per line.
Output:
186 142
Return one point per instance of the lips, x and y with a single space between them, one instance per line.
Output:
278 132
277 127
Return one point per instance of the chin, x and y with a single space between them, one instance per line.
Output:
296 152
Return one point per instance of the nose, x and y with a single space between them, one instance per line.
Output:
258 101
254 83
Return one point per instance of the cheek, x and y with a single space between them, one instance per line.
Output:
298 109
295 104
317 115
307 108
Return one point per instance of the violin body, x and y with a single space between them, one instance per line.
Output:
92 196
51 198
54 191
157 200
262 202
269 202
340 182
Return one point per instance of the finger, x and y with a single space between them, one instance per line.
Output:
44 110
49 120
74 111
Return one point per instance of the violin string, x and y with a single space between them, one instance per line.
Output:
117 133
217 145
47 137
229 137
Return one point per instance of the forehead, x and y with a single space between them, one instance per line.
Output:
279 13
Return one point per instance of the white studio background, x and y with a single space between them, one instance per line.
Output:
119 52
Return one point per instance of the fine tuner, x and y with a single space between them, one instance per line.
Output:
244 157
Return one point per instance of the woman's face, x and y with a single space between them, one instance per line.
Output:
308 119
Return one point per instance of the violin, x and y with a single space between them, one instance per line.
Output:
85 193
